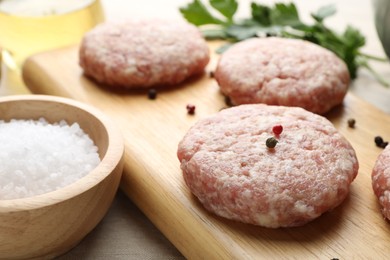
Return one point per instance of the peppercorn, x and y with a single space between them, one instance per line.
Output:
228 102
271 142
378 141
383 145
278 129
152 93
351 123
211 74
190 109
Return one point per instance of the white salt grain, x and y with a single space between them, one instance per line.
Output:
37 157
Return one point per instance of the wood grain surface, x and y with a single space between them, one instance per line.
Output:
152 176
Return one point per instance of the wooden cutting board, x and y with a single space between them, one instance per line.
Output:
153 180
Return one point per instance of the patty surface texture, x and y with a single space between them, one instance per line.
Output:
228 167
281 71
381 181
142 53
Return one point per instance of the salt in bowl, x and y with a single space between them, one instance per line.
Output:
50 224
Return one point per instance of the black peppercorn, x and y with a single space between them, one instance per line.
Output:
152 93
228 102
271 142
351 123
378 140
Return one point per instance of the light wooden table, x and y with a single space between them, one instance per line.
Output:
125 233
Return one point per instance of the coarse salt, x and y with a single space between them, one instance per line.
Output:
37 157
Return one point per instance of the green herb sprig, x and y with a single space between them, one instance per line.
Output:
280 20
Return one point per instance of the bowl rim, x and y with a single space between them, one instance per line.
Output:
51 16
111 159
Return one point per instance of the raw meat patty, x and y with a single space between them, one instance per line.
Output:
143 53
228 167
381 181
280 71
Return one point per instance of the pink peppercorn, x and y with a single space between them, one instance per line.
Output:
278 129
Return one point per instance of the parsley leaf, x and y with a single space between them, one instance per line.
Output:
226 7
324 12
261 14
281 20
284 14
197 14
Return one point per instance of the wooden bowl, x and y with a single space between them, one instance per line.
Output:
48 225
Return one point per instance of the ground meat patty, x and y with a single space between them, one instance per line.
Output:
143 53
280 71
381 181
228 167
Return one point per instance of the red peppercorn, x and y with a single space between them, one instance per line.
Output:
190 109
278 129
